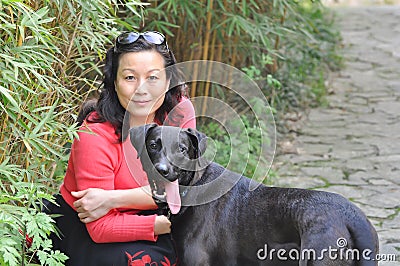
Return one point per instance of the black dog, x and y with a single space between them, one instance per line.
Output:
266 226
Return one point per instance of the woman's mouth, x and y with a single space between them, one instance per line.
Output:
141 102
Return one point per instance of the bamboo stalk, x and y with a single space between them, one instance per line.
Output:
68 54
20 38
208 28
208 84
232 63
274 67
196 66
220 50
221 45
177 38
206 49
2 136
11 15
194 82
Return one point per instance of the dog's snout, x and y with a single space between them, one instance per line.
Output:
162 169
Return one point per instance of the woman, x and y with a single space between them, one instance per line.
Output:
105 187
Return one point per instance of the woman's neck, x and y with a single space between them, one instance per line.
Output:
135 121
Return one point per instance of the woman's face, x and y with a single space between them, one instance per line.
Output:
141 85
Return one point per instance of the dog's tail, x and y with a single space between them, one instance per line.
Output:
365 239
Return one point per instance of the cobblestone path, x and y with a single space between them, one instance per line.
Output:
352 147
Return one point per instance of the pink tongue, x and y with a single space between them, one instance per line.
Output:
173 197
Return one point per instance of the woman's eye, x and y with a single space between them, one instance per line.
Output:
153 78
130 77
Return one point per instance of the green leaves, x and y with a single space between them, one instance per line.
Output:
21 217
54 258
310 51
49 63
9 254
6 96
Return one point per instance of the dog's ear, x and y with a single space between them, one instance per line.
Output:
138 136
199 141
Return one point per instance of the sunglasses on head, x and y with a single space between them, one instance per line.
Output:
153 37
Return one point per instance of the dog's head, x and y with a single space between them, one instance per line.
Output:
168 155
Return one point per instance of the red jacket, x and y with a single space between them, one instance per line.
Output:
97 160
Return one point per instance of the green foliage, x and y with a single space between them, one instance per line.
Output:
20 216
291 42
246 147
309 51
49 62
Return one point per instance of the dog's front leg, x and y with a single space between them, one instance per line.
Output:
194 255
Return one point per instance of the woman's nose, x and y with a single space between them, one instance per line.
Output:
141 89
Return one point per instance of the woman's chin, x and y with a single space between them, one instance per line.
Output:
141 118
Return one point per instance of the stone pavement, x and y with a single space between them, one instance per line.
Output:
352 147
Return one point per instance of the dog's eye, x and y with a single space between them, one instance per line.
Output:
182 149
153 146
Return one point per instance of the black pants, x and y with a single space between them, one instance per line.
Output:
76 243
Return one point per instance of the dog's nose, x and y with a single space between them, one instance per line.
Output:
162 169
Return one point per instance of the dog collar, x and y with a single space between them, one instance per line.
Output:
184 193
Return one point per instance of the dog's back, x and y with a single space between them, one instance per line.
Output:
254 226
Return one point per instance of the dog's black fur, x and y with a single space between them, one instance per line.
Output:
234 228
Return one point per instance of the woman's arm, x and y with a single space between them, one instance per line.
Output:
91 199
94 203
93 161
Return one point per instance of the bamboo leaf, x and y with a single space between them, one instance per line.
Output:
7 94
45 119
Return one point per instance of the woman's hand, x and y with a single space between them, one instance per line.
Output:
162 225
93 203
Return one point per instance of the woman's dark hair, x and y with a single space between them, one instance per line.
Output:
108 107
